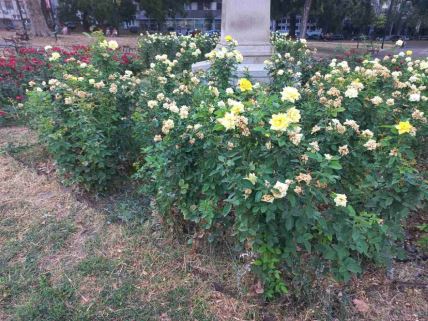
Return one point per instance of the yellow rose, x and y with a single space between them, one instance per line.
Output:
228 121
245 84
55 56
290 94
409 52
228 38
279 122
293 115
113 45
237 108
404 127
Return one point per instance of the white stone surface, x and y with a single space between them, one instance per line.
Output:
248 22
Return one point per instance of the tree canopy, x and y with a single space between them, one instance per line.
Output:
161 9
101 12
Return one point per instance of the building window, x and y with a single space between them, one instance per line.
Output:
8 4
191 6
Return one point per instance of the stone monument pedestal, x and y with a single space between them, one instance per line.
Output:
248 22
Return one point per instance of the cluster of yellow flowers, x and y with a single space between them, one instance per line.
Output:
281 122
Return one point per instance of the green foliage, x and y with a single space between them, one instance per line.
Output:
313 175
83 116
106 12
313 193
161 9
423 238
186 49
292 64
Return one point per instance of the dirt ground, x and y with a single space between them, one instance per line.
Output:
64 257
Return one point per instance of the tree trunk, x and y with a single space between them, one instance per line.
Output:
418 26
292 25
39 26
304 22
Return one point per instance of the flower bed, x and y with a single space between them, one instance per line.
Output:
312 175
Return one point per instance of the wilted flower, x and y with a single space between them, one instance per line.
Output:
279 190
152 104
376 100
390 102
167 125
252 178
367 133
268 198
113 88
343 150
302 177
393 152
371 144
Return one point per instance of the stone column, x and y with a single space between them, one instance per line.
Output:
248 22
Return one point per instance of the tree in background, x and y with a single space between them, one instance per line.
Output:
39 26
421 15
304 23
161 9
97 12
349 16
290 8
409 17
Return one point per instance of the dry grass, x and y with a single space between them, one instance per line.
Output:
139 272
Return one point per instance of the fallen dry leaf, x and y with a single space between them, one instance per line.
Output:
361 306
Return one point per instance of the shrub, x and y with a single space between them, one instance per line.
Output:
311 188
174 46
83 116
292 63
312 175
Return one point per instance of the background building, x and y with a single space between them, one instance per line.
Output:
200 15
9 13
283 25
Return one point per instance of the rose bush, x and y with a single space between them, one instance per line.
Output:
83 115
310 185
174 46
313 174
